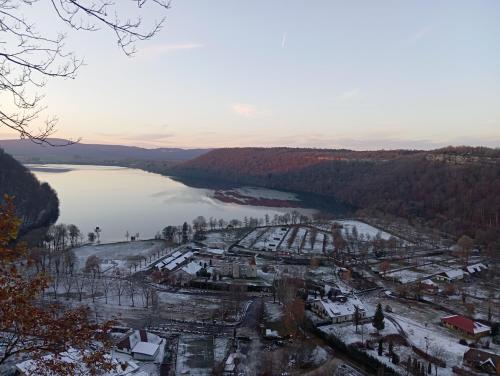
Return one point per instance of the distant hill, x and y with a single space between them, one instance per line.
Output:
36 203
28 152
453 189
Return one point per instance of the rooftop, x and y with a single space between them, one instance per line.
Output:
466 324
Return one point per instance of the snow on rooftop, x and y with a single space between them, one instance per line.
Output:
29 367
180 259
337 308
466 324
454 273
476 267
215 251
192 268
146 348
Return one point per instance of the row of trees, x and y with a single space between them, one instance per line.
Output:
200 225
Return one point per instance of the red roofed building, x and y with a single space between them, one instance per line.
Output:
466 326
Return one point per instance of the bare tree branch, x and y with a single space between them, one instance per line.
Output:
28 58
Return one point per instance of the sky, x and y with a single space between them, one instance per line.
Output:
352 74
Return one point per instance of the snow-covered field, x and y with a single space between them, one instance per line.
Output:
195 355
224 237
273 311
297 241
420 272
365 230
439 341
117 254
318 243
266 193
271 239
251 238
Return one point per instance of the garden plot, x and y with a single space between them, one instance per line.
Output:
271 239
347 332
296 241
364 230
118 254
329 243
440 341
195 355
317 246
225 236
416 273
249 240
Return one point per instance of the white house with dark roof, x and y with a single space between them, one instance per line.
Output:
141 344
340 309
451 275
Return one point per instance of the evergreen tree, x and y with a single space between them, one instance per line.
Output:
395 358
378 319
380 348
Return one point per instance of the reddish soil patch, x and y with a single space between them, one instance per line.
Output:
234 197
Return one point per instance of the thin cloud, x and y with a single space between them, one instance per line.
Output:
420 34
349 94
246 110
153 136
283 40
161 49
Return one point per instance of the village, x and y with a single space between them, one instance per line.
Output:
329 296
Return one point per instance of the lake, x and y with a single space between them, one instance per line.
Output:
119 199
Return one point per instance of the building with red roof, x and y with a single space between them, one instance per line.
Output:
466 326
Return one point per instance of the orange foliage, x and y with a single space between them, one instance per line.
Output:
33 329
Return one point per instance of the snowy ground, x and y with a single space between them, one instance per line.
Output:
365 230
297 241
273 312
317 247
224 237
266 194
271 239
252 237
195 355
118 254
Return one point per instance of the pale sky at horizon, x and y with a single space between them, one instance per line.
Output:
357 74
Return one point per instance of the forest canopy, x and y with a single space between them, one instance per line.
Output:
453 189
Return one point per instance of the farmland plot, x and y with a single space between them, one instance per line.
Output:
271 239
249 240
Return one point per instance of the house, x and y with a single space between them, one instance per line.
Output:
466 326
141 344
339 309
475 268
429 286
450 275
73 357
482 361
236 268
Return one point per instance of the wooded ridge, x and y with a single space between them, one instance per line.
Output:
455 189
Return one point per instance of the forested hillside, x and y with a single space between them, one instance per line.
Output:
80 153
454 189
36 203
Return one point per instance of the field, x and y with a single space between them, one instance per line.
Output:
118 254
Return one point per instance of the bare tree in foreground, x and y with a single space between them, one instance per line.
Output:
28 58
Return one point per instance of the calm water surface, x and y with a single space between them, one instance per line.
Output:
122 199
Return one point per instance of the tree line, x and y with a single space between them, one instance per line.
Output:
454 189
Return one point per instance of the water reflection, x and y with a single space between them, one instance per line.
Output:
121 199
